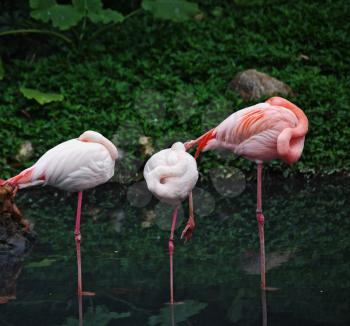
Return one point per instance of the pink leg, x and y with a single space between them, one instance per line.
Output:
188 231
260 219
171 250
77 243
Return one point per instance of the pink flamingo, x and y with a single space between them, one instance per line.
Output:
260 133
74 165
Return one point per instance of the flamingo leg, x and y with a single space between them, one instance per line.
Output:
77 237
188 231
171 251
260 218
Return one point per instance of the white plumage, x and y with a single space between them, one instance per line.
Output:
171 174
74 165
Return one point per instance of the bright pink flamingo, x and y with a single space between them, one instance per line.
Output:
260 133
75 165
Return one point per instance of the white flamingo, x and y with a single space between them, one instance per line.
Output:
75 165
171 174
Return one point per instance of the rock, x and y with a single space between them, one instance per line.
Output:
14 240
25 152
147 147
14 246
15 234
252 85
150 217
10 269
118 217
8 206
303 57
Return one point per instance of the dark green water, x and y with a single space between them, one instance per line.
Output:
124 256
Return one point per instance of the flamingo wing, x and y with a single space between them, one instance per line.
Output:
253 131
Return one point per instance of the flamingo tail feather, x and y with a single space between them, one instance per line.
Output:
25 179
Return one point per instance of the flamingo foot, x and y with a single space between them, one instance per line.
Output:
188 231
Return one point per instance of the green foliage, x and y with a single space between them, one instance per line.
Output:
61 16
170 82
41 97
176 10
67 16
94 11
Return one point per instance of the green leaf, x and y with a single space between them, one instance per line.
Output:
65 16
41 4
61 16
106 16
43 263
93 9
87 5
40 97
175 10
2 71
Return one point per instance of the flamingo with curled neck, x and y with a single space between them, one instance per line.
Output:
74 166
275 129
171 174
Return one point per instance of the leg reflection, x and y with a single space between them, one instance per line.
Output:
171 250
80 303
172 315
264 307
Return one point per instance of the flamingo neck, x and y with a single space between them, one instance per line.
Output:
200 142
95 137
290 142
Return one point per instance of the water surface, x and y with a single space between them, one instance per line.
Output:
124 255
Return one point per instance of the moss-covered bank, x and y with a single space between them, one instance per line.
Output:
169 81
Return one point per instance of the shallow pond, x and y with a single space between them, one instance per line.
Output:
124 256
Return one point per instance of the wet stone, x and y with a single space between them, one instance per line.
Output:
15 243
25 152
13 239
252 85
